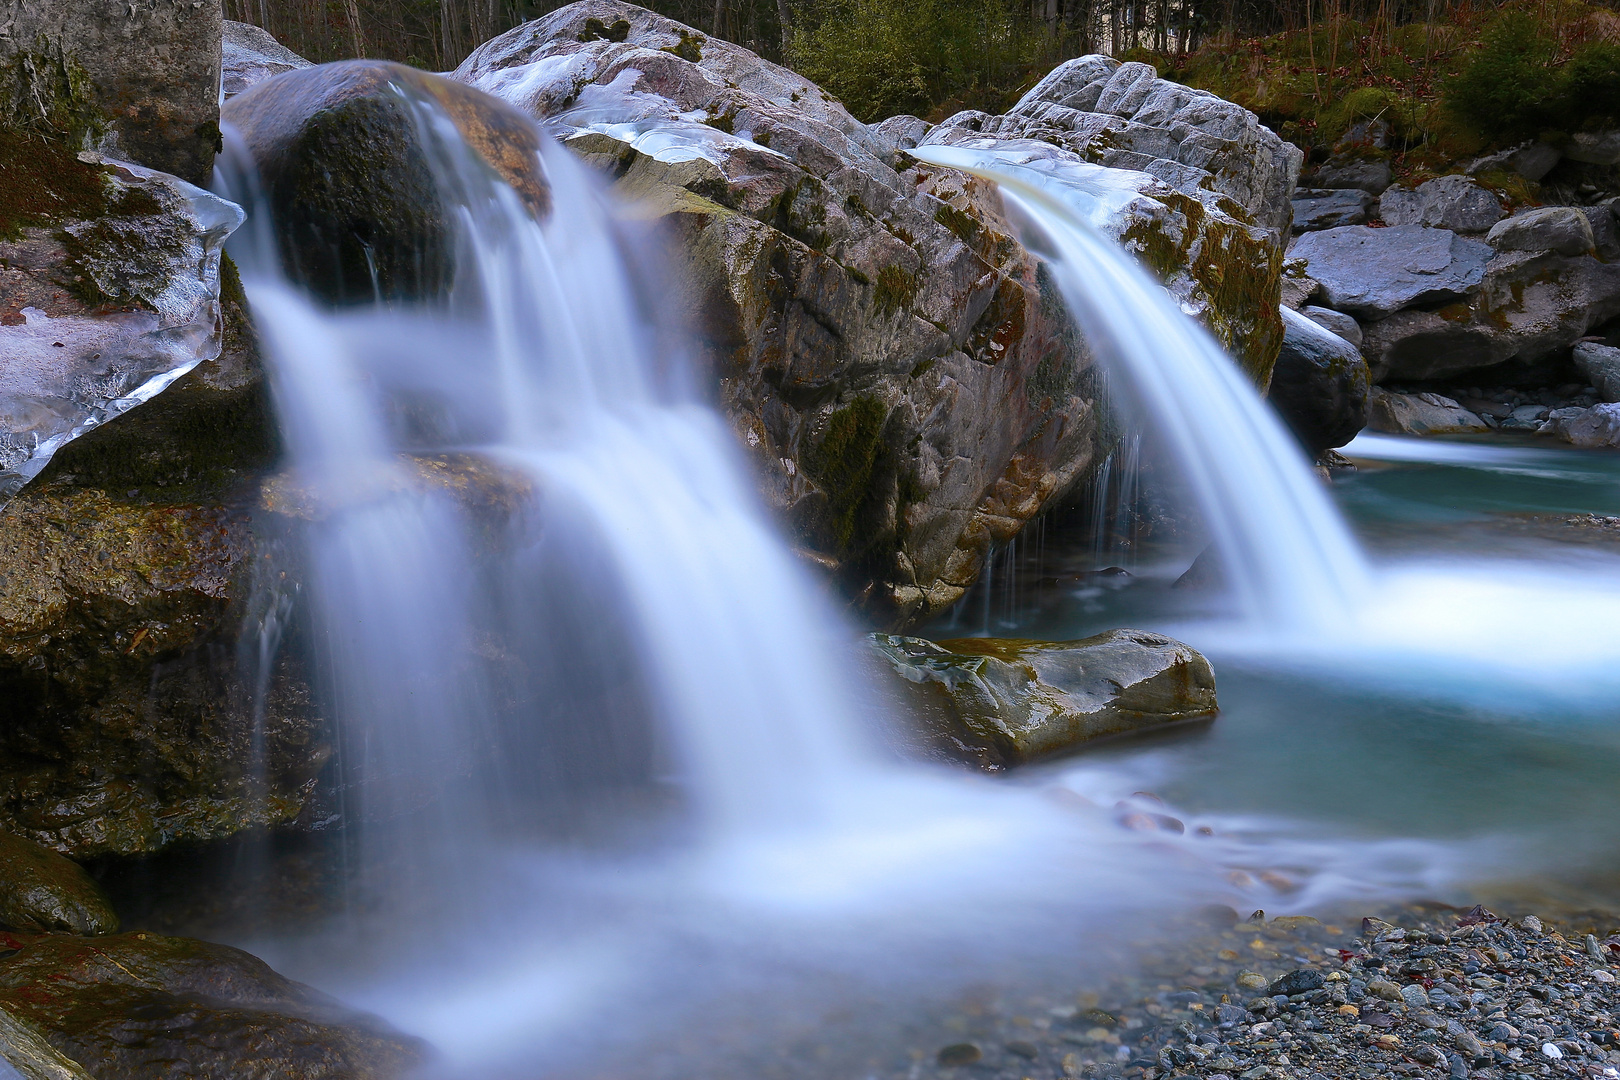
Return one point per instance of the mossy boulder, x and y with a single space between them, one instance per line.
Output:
997 703
42 890
143 1006
351 184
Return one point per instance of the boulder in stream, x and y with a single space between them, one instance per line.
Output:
142 1006
1419 414
352 187
1601 366
998 703
1320 384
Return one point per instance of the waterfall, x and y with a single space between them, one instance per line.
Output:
1285 551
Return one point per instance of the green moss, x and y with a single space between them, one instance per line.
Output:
689 48
47 93
960 222
597 30
725 122
843 464
1240 277
896 289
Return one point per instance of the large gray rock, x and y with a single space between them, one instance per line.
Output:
1325 208
1373 273
1561 229
1594 147
1601 366
1528 308
1319 386
1598 428
104 304
998 703
252 55
901 369
1447 202
136 81
1124 116
1419 414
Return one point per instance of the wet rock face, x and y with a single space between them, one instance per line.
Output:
998 703
1319 385
140 1005
41 890
351 183
899 365
138 81
109 289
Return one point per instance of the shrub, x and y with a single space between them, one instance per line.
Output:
1592 82
1510 90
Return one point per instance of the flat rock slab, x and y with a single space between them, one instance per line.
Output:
1372 273
1003 702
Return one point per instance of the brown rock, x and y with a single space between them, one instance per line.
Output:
41 890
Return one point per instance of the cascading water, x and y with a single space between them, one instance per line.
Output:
630 626
1287 555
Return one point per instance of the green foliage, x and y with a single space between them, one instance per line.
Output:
1511 89
1592 80
925 57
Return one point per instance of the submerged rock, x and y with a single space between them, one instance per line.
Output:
999 702
353 190
1419 414
41 890
1319 385
140 1005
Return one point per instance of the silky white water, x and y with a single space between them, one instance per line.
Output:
607 755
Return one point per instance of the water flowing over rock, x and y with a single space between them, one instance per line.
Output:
999 703
898 365
134 81
144 1006
108 293
1319 385
339 153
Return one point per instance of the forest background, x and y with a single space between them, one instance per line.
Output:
1449 78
